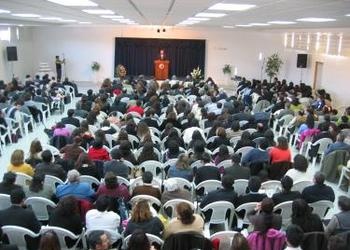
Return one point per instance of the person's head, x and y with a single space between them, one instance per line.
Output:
102 203
300 209
141 212
98 240
198 147
147 177
263 144
206 158
9 178
239 242
227 181
319 178
35 147
138 241
269 135
236 158
182 162
221 132
116 154
67 206
59 125
254 184
267 205
46 156
287 183
147 148
294 235
197 135
49 241
282 143
111 180
83 159
184 213
336 242
123 135
344 203
173 148
77 140
17 157
73 176
235 126
142 129
300 163
37 183
245 136
98 143
70 112
17 196
223 151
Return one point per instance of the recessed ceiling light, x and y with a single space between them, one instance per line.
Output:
51 18
112 16
84 22
98 11
347 15
243 25
68 21
228 27
74 2
25 15
198 18
231 6
4 11
259 24
207 14
316 19
281 22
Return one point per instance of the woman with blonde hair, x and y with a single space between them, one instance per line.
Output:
182 168
142 218
18 165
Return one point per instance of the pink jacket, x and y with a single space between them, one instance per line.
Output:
272 240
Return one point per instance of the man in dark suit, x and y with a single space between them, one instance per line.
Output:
208 171
319 191
47 167
70 119
254 185
18 215
227 193
236 170
286 194
147 187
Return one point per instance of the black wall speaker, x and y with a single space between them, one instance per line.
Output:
11 53
302 61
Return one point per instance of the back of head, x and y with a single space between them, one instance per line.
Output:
263 144
9 178
300 163
239 242
147 177
17 157
49 241
300 209
70 112
319 178
17 196
73 176
282 143
94 238
111 180
236 158
206 158
267 205
344 203
254 184
116 154
67 206
138 241
185 213
341 137
102 203
287 183
294 235
46 156
227 181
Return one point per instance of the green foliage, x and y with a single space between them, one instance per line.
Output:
273 65
95 66
227 69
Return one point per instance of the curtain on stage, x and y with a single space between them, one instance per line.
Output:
138 55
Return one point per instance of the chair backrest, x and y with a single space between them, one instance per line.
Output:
209 185
286 211
173 203
52 181
70 127
300 185
5 201
53 150
122 180
110 139
240 186
183 183
271 185
152 166
244 150
133 140
286 119
16 235
90 179
154 202
234 140
151 238
62 234
138 182
323 144
224 164
219 211
247 207
223 235
40 206
197 164
321 208
23 179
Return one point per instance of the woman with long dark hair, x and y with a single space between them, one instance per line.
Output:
49 241
37 188
303 217
85 166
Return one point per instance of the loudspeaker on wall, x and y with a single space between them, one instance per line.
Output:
302 61
11 53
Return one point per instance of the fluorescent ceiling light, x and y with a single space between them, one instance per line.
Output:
228 27
51 18
207 14
68 21
74 2
281 22
26 15
84 22
243 25
6 24
4 11
231 6
112 16
347 15
259 24
98 11
198 18
316 19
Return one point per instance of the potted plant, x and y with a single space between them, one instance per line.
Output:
196 75
227 69
273 65
95 66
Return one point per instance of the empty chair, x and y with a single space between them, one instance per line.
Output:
62 234
345 173
17 235
285 209
5 201
321 208
300 185
240 186
172 205
40 206
26 121
246 207
271 185
219 213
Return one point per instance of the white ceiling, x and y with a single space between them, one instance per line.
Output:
172 12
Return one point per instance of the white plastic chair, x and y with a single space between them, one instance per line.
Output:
152 166
209 185
230 150
14 126
122 180
286 211
247 207
133 140
183 183
173 203
240 186
53 150
89 179
152 200
321 208
243 151
40 207
138 182
271 185
5 134
71 91
155 131
223 235
250 130
70 127
234 140
151 238
52 181
225 164
197 164
5 201
345 173
62 234
284 121
323 145
218 215
25 124
40 106
16 235
23 179
92 129
300 185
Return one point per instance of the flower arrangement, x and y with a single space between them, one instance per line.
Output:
227 69
196 74
95 66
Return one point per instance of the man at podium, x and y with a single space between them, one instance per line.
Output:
161 67
59 63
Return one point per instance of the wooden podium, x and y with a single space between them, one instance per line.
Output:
161 69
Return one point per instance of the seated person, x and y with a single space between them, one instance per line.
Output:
38 189
172 190
61 130
70 119
98 152
147 187
8 183
47 167
181 168
80 190
299 170
319 191
340 222
304 218
286 194
18 165
207 171
116 165
295 237
254 185
256 154
338 145
236 170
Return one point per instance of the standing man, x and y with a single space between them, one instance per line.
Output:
59 68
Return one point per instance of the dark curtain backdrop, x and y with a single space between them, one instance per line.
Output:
138 55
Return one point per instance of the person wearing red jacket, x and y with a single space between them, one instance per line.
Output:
136 108
98 152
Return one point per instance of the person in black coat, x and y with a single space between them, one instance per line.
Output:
47 167
8 183
206 172
286 194
220 139
149 119
236 170
319 191
70 119
302 216
254 185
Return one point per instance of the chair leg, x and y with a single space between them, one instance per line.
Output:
314 161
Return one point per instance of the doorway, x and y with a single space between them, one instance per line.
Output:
318 75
